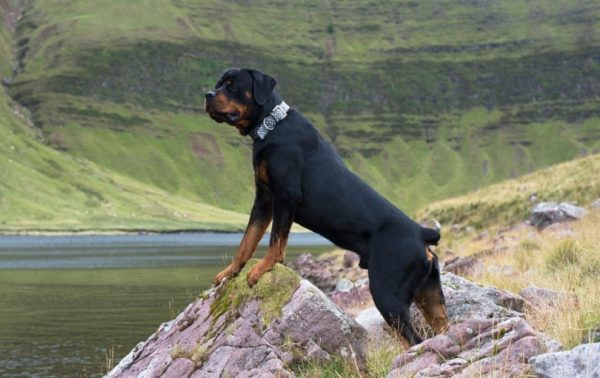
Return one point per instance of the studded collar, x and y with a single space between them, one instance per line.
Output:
278 113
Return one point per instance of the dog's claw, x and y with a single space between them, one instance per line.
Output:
226 273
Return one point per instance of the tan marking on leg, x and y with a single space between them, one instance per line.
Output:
429 254
431 305
250 241
262 172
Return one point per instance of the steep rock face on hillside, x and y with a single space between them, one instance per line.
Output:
234 331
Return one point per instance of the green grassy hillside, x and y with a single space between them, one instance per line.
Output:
425 100
46 190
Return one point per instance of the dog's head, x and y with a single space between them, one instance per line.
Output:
238 97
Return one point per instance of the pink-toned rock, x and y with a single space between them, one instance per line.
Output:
225 333
325 271
317 270
484 347
463 266
350 259
352 297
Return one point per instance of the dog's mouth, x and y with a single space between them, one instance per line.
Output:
231 117
220 117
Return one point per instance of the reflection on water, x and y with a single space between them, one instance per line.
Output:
66 301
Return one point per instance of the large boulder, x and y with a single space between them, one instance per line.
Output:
465 300
238 331
582 361
547 213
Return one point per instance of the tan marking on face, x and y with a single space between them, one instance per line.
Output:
248 95
222 105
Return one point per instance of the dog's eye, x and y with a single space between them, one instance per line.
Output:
229 85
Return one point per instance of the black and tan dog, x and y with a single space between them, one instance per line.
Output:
300 178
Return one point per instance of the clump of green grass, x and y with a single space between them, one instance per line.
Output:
380 359
335 368
272 291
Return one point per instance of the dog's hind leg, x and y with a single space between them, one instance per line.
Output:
430 297
394 277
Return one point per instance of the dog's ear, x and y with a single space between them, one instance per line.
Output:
262 86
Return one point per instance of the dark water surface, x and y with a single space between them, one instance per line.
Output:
68 302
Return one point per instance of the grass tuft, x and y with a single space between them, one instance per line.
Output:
563 255
272 291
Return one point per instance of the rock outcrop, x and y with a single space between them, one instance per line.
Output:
580 362
547 213
285 321
240 332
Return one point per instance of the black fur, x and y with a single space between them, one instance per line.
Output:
309 184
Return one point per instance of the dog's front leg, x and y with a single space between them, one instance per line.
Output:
260 217
284 177
283 217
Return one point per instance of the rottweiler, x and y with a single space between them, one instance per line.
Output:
300 178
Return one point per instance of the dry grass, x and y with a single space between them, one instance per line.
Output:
564 258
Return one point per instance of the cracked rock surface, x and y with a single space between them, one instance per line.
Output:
475 348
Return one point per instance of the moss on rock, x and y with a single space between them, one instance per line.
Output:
272 292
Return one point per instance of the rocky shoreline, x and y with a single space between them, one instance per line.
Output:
320 312
287 321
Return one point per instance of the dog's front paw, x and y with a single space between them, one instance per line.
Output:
257 271
226 273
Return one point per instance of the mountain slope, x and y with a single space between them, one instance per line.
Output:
507 202
424 100
46 190
43 189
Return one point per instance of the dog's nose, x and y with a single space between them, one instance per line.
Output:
210 94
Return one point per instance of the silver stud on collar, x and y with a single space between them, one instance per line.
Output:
277 114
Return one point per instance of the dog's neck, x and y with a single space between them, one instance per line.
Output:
263 112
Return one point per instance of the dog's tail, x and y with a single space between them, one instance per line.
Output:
430 236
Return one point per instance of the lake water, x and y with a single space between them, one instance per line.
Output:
67 303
